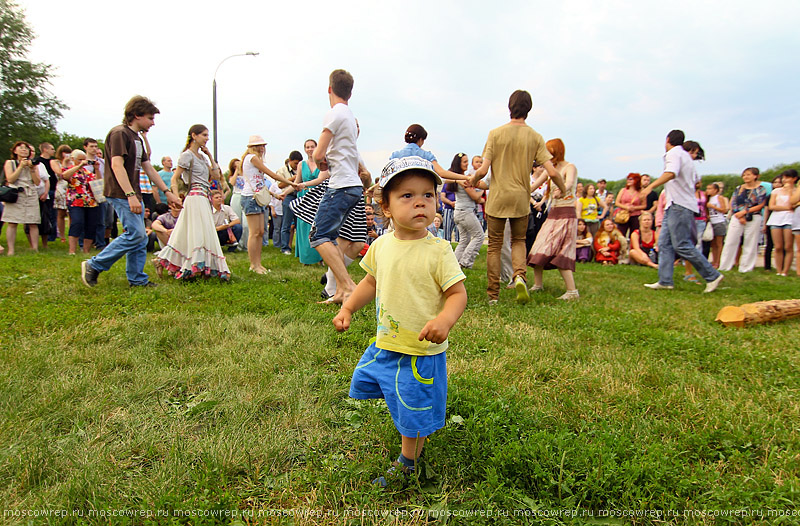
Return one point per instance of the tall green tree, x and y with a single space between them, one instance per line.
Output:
28 110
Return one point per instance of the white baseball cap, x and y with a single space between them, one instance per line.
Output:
403 164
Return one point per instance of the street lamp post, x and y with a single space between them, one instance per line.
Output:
249 53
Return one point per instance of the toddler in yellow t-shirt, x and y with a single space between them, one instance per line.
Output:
418 288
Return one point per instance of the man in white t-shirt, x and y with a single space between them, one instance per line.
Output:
336 151
681 205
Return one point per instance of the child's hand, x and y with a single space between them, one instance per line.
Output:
435 331
342 320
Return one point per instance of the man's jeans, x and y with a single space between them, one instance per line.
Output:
52 215
288 219
132 243
224 238
100 231
675 238
277 223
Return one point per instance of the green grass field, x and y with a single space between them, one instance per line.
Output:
207 403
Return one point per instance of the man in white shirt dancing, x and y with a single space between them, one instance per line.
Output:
681 205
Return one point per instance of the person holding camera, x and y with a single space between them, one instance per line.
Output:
745 226
96 165
84 210
20 173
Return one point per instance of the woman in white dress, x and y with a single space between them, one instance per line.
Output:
193 249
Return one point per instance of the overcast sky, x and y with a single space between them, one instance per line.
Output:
610 78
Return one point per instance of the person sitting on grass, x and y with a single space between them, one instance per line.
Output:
418 286
644 242
148 229
226 222
165 224
583 245
609 243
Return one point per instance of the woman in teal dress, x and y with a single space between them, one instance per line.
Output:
309 171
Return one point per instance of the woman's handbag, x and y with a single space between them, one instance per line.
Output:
708 233
263 197
97 186
621 216
9 194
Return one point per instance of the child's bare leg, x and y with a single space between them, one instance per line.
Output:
412 447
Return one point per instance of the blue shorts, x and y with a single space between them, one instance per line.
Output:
250 206
334 206
414 387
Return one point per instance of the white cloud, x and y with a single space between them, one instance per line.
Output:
610 78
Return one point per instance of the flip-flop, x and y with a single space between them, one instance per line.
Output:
328 301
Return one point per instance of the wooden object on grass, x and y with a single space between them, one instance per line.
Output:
760 312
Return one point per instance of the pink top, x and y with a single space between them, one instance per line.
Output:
701 204
662 201
630 198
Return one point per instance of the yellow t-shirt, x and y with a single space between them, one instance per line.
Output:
411 277
512 148
589 208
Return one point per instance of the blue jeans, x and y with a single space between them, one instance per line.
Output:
131 243
277 222
225 240
675 238
53 213
100 234
286 223
332 211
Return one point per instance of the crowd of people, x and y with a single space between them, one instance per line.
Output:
521 193
728 232
611 229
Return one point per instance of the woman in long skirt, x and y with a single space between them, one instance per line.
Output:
193 249
309 172
555 244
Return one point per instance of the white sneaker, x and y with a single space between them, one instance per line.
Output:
570 295
658 286
522 290
711 286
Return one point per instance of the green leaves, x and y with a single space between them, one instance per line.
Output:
28 110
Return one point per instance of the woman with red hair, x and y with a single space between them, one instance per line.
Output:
630 200
555 244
